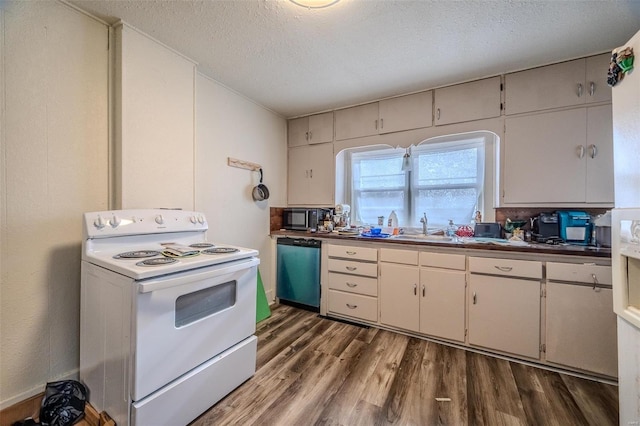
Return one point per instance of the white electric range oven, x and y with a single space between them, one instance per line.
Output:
167 317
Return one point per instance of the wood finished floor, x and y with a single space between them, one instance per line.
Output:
315 371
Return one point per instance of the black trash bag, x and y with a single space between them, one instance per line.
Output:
63 403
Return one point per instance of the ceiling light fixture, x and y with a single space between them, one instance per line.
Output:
314 4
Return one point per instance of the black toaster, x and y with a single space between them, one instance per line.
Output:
487 230
546 226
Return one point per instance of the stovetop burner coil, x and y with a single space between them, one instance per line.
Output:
220 250
201 245
158 261
138 254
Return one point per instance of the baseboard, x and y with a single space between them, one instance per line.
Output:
36 390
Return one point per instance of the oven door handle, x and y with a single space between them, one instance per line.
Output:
188 277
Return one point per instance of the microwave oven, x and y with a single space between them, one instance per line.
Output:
300 219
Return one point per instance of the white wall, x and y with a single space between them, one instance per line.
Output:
229 125
54 161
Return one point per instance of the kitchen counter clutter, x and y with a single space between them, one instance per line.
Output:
465 243
550 305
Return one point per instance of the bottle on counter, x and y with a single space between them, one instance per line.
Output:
393 220
451 229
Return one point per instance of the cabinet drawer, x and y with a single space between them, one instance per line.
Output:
406 257
354 268
581 273
506 267
353 305
443 260
353 284
350 252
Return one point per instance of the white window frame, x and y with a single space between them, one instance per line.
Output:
487 201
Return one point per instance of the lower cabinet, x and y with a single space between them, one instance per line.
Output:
442 303
580 322
399 302
353 282
504 314
427 300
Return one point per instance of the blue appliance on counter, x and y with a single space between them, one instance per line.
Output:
574 226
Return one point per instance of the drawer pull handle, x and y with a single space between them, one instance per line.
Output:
504 268
351 253
350 306
595 281
475 299
351 268
352 285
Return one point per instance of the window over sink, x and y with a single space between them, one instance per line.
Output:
450 178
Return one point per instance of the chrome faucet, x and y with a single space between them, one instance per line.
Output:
423 221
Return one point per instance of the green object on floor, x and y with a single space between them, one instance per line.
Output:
262 306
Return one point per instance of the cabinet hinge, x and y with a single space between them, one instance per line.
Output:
501 106
543 348
543 292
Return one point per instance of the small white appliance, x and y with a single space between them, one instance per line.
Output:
167 317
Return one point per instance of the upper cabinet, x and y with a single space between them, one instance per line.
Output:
565 84
475 100
387 116
559 157
357 121
406 112
310 130
311 175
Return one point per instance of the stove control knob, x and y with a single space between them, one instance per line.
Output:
201 219
193 220
159 219
99 222
114 221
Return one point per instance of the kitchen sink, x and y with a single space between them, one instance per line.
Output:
422 237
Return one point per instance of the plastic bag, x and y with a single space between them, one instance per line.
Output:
63 403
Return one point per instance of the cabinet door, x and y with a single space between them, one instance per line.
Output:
399 303
298 176
321 128
581 328
599 155
597 89
406 112
357 121
469 101
553 86
442 303
298 129
504 314
321 175
544 157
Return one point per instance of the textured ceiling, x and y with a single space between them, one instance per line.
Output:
297 61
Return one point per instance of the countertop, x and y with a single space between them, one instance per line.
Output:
540 248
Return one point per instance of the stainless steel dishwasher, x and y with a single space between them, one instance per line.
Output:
298 272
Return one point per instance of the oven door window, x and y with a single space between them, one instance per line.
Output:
203 303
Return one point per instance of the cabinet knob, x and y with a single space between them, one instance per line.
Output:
376 124
310 136
592 88
593 151
423 291
382 123
579 90
306 136
580 150
438 114
415 289
474 298
311 173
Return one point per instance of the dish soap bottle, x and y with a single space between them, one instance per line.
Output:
393 220
451 229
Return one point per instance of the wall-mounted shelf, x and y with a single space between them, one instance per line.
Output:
241 164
